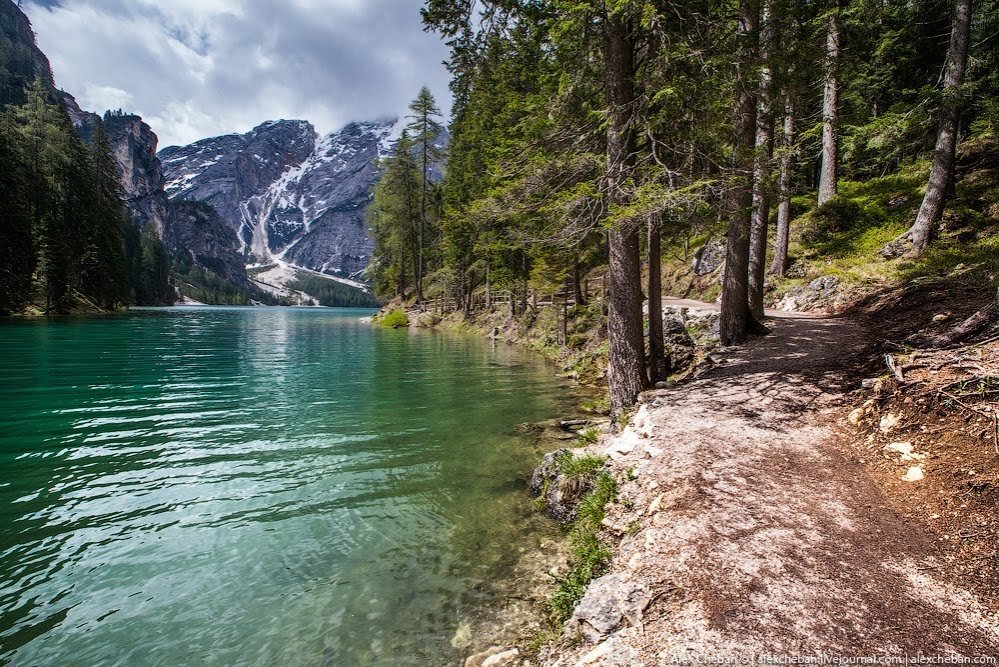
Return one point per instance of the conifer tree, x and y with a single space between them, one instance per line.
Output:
395 218
425 129
17 254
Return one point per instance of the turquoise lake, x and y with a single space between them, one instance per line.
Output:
257 486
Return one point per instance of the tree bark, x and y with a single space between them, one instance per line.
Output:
779 264
489 291
735 316
761 167
577 290
626 373
830 108
942 169
658 366
423 218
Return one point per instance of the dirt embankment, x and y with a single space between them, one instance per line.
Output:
748 523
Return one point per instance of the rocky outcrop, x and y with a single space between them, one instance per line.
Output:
819 293
677 342
560 493
609 601
23 61
141 176
195 235
709 258
83 121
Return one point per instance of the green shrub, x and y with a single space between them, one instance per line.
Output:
577 341
395 319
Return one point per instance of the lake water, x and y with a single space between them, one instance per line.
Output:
256 486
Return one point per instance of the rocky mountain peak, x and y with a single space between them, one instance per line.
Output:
290 195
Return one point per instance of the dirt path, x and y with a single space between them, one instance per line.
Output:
754 531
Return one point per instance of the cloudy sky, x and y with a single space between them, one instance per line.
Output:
199 68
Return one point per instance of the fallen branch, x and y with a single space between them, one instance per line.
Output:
970 326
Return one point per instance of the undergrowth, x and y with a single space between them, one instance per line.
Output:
590 555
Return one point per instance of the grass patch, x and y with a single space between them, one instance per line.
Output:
588 436
590 554
579 467
598 406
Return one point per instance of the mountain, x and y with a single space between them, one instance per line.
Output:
194 236
292 197
21 61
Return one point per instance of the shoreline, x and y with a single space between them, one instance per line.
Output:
706 469
512 633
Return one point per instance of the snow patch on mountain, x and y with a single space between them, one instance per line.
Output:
290 196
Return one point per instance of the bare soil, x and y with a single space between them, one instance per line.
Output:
764 523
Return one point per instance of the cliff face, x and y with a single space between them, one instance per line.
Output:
197 236
193 235
22 61
141 176
289 196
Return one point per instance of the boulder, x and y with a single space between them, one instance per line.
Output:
609 600
677 342
709 258
818 292
494 656
611 653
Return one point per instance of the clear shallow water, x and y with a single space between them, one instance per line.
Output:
271 486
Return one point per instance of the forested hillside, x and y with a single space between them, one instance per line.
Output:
66 241
594 141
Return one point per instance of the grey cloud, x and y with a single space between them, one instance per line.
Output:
196 68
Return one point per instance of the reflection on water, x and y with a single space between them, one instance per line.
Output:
255 486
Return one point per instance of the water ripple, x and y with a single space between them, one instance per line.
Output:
254 486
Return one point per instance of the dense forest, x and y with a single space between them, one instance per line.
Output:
66 241
598 133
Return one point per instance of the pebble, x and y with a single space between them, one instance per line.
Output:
502 659
915 474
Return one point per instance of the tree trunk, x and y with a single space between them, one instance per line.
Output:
658 367
736 319
577 290
626 374
830 109
524 275
761 167
489 293
423 219
466 295
779 265
416 275
942 170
